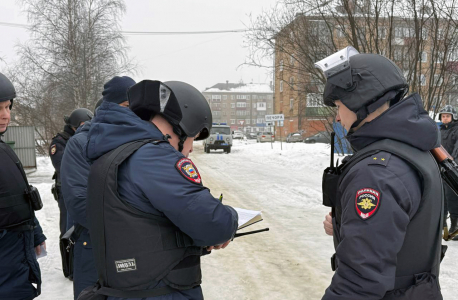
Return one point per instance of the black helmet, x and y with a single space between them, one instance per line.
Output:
180 103
7 91
77 116
361 80
448 109
197 115
97 105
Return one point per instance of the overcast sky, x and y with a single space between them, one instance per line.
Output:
201 60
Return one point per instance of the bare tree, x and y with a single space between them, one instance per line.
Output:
420 36
75 47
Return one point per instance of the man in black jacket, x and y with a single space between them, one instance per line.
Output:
20 232
449 139
386 199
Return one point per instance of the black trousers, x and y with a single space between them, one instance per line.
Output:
450 202
63 215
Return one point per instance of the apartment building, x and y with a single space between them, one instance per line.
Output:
243 106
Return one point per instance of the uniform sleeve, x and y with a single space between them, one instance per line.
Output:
189 205
370 238
38 236
56 152
74 175
455 144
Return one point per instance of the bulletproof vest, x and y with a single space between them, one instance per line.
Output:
421 251
449 136
16 211
134 250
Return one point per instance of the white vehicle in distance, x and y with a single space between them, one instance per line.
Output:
219 138
236 134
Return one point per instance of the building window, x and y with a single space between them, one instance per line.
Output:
341 31
423 56
232 97
216 113
281 65
440 57
254 105
224 97
269 105
241 104
253 121
247 121
438 79
381 33
422 79
291 82
260 120
261 106
242 97
232 121
281 86
424 33
291 59
216 97
291 104
248 97
232 105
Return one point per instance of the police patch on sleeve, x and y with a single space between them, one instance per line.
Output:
53 149
367 202
189 171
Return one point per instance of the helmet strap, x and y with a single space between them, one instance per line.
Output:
364 111
182 136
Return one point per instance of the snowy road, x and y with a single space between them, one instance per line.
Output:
291 261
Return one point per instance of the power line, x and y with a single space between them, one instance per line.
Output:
147 32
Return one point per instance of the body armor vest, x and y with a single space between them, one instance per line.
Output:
16 212
421 251
134 250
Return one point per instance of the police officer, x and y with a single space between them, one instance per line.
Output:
151 218
74 175
449 136
385 199
56 152
20 233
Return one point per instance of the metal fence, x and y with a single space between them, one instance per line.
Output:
24 144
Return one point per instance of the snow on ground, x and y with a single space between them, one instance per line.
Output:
291 261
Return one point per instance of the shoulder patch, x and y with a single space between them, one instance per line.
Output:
380 158
367 202
189 171
53 149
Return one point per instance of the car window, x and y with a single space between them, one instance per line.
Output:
268 133
296 134
220 130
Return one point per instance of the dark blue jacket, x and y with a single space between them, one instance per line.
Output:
74 173
367 248
18 263
150 181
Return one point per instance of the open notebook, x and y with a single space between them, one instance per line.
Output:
247 217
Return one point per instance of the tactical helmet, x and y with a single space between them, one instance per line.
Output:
448 109
197 115
361 80
7 91
77 116
184 107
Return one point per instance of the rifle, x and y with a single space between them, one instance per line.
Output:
449 168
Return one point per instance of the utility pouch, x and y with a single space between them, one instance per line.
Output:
330 185
34 197
67 246
54 192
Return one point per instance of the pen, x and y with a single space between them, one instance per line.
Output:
221 198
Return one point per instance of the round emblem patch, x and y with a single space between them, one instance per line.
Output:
53 149
367 202
189 171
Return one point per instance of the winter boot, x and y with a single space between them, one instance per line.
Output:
453 232
445 235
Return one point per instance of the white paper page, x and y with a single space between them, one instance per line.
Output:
43 252
245 215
